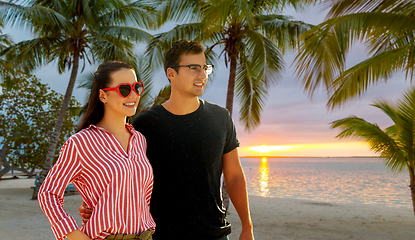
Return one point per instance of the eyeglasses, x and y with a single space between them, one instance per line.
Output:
196 68
125 89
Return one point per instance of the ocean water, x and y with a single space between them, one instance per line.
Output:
340 180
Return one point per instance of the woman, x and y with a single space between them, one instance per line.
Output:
106 162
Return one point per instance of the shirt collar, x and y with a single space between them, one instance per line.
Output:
129 127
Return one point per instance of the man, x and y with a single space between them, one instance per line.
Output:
190 142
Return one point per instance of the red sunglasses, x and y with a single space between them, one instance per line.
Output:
125 89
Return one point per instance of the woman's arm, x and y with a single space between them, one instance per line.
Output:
77 235
51 193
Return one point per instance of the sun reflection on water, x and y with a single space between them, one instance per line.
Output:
344 180
264 170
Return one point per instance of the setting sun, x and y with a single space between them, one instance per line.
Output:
309 149
268 149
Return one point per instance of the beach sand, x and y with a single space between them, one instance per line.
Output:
273 218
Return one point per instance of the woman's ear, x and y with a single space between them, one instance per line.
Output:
103 96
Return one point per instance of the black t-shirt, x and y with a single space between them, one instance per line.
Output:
186 152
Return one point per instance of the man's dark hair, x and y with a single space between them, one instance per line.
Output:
173 55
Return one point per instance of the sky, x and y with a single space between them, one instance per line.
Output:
292 123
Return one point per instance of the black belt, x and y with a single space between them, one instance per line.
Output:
146 235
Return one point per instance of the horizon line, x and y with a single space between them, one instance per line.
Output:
310 156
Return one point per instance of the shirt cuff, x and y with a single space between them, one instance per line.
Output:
63 227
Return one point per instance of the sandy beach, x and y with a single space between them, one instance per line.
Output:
274 218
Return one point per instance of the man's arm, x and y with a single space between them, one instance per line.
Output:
236 186
85 213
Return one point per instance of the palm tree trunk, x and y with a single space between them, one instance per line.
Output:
231 83
58 126
229 106
412 186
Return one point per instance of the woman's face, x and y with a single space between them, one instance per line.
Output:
114 103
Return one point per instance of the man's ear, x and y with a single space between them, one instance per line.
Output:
103 96
171 73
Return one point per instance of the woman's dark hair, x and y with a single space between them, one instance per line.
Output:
102 79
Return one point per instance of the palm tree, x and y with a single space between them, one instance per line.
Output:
386 27
396 143
67 31
253 36
6 68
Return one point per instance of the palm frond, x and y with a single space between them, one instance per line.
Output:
401 31
396 143
85 80
144 73
282 29
41 18
264 6
128 33
113 48
56 5
318 61
389 110
63 55
218 13
210 36
182 11
342 7
251 92
264 56
7 68
211 58
162 96
406 113
38 51
392 131
33 16
321 57
13 13
5 41
162 41
140 12
357 79
377 139
296 4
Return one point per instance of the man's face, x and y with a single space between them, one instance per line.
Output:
189 81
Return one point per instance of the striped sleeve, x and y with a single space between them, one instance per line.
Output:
51 193
149 182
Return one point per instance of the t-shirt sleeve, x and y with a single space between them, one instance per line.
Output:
231 136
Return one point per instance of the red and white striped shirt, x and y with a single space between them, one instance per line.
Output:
117 185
